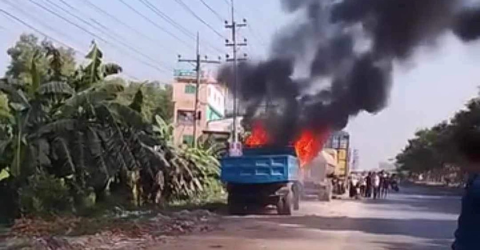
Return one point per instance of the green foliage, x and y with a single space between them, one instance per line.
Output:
45 195
4 174
66 139
156 100
27 50
435 148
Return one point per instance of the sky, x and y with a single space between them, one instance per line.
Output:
430 88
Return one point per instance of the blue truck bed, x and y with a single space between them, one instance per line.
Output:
253 168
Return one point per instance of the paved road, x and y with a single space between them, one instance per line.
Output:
416 219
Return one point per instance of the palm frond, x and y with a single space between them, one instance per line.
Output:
56 88
55 62
14 95
98 172
127 115
137 102
59 126
93 68
164 130
111 87
78 147
84 99
111 69
3 145
62 151
35 75
118 149
43 150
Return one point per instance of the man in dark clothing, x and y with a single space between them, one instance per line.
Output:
368 192
468 231
466 236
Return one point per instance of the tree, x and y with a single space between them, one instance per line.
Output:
50 62
157 99
67 137
435 149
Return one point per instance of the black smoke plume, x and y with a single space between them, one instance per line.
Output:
336 59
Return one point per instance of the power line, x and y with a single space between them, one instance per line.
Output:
107 31
256 36
154 24
165 17
15 18
100 10
181 3
21 10
213 11
89 32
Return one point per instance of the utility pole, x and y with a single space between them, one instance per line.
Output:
198 67
235 45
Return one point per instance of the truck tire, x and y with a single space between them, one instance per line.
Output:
296 197
285 204
325 192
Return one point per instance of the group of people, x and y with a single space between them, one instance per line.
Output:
374 185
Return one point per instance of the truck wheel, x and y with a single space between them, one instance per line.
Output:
296 198
285 204
325 192
280 206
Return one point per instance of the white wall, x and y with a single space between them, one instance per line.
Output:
216 99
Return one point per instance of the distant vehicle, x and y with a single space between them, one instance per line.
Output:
319 176
263 176
338 145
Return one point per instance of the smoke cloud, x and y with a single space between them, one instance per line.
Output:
336 59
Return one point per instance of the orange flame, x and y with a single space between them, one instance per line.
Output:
307 146
259 136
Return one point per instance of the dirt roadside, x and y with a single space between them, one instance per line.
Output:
266 231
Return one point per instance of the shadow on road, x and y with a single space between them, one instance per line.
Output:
428 229
430 245
420 198
419 203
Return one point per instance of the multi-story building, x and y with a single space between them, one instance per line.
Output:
211 104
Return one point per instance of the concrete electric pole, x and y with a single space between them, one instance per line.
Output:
233 25
198 67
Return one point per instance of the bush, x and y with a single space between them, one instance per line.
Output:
45 195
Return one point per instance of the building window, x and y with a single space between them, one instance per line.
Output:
185 117
188 140
190 89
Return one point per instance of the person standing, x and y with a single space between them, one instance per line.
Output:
368 191
354 187
363 185
468 229
376 185
385 185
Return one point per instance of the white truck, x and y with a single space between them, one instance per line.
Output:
318 174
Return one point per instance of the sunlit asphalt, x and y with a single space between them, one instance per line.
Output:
417 218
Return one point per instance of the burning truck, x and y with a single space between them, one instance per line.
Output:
333 62
272 174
